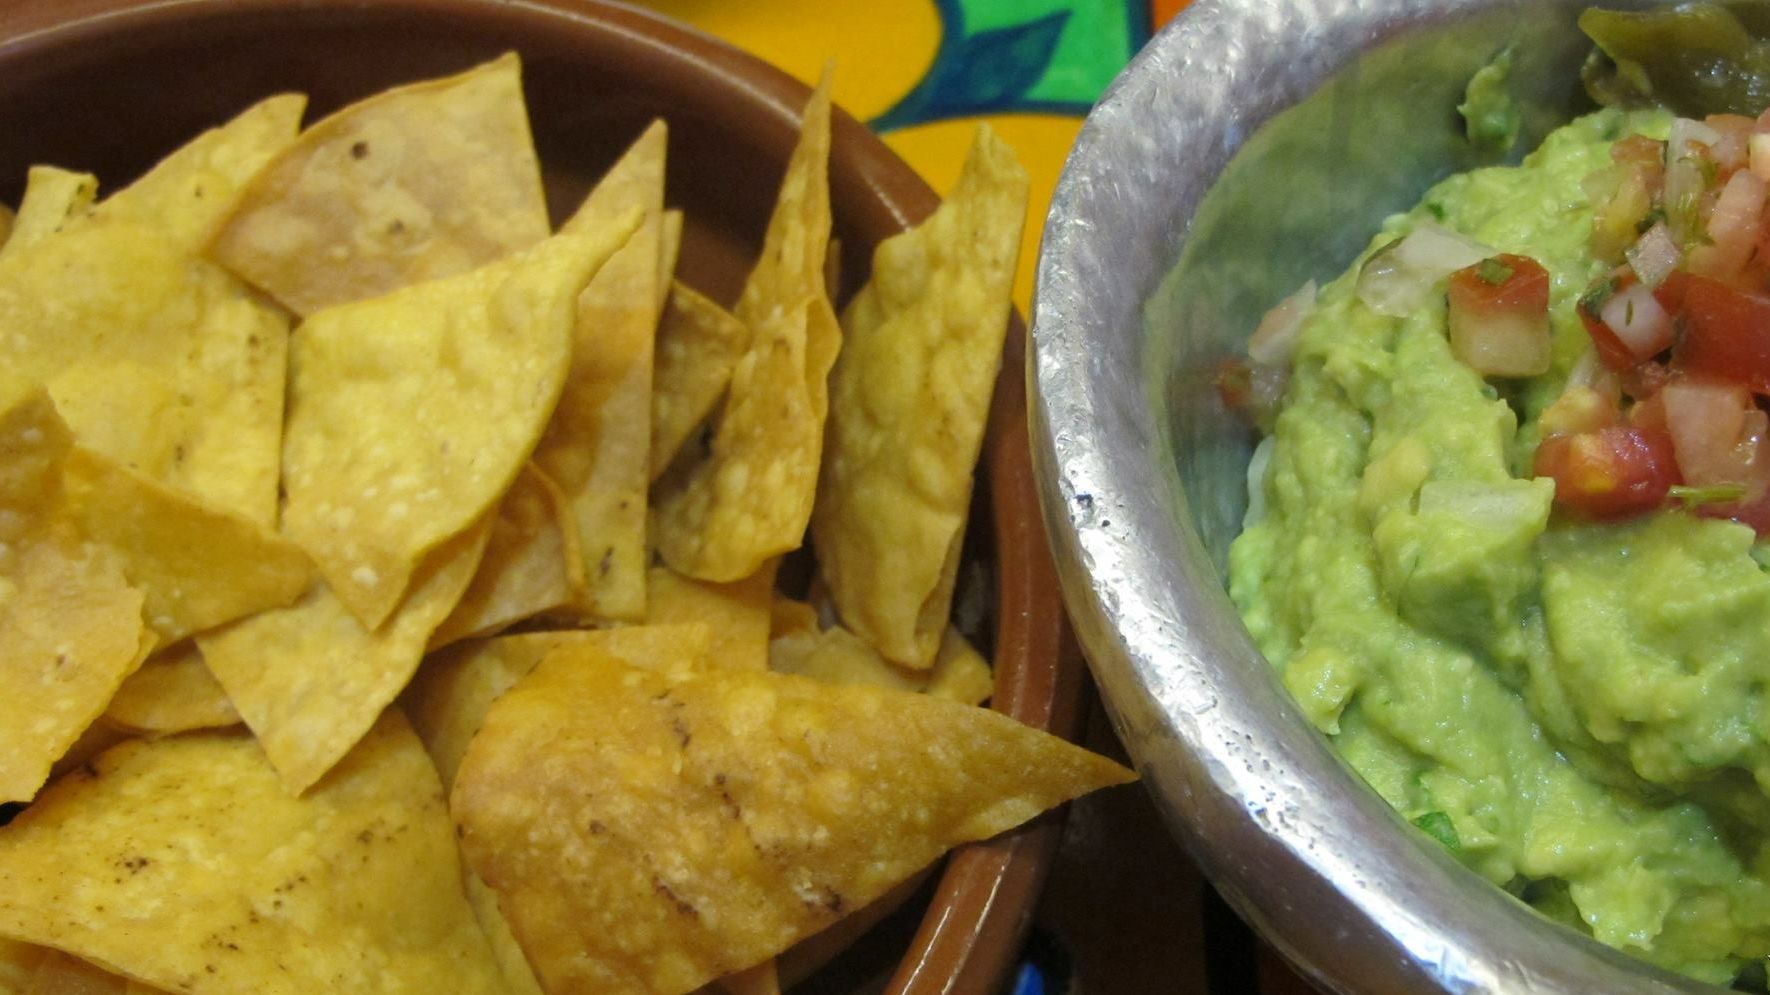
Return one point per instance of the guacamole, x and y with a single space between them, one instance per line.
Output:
1576 708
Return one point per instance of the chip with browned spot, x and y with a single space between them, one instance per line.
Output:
598 444
416 183
908 402
183 863
720 518
649 833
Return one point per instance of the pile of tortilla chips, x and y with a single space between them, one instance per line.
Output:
391 582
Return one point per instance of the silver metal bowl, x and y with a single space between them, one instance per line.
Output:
1252 145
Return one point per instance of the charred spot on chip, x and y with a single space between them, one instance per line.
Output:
359 150
682 905
133 863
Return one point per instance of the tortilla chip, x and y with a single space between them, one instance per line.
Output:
53 197
598 444
698 344
310 680
197 567
155 358
410 414
417 183
72 622
909 399
670 255
837 656
737 613
190 193
680 829
172 692
449 698
182 862
524 570
720 518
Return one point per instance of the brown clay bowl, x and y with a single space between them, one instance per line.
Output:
109 86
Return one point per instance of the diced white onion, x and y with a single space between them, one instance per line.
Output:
1397 280
1686 132
1638 320
1758 150
1654 256
1257 467
1272 341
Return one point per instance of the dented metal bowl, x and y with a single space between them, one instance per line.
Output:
1250 147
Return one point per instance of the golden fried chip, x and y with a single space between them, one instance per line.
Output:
524 571
190 193
172 692
410 414
416 183
598 444
720 518
650 834
699 343
310 679
837 656
668 257
155 358
909 399
448 700
182 862
737 613
196 566
53 197
72 622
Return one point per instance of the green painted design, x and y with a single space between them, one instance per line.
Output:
998 56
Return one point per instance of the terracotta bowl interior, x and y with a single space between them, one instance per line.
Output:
109 87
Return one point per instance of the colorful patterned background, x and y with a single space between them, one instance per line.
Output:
924 72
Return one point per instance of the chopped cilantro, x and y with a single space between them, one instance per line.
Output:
1438 826
1493 272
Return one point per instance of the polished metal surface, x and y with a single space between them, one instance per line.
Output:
1252 145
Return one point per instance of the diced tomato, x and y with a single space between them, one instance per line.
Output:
1726 332
1235 382
1614 472
1499 316
1639 150
1733 225
1609 347
1730 149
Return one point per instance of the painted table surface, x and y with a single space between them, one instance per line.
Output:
1124 910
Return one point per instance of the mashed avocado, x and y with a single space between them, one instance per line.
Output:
1578 711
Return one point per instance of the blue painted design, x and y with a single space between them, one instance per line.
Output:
975 74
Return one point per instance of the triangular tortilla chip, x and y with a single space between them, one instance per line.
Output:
72 622
416 183
56 973
908 402
598 444
196 566
651 833
525 568
172 692
156 359
837 656
720 518
188 194
411 413
310 679
449 698
737 613
182 862
52 198
699 344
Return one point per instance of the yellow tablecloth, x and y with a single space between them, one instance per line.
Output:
923 73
